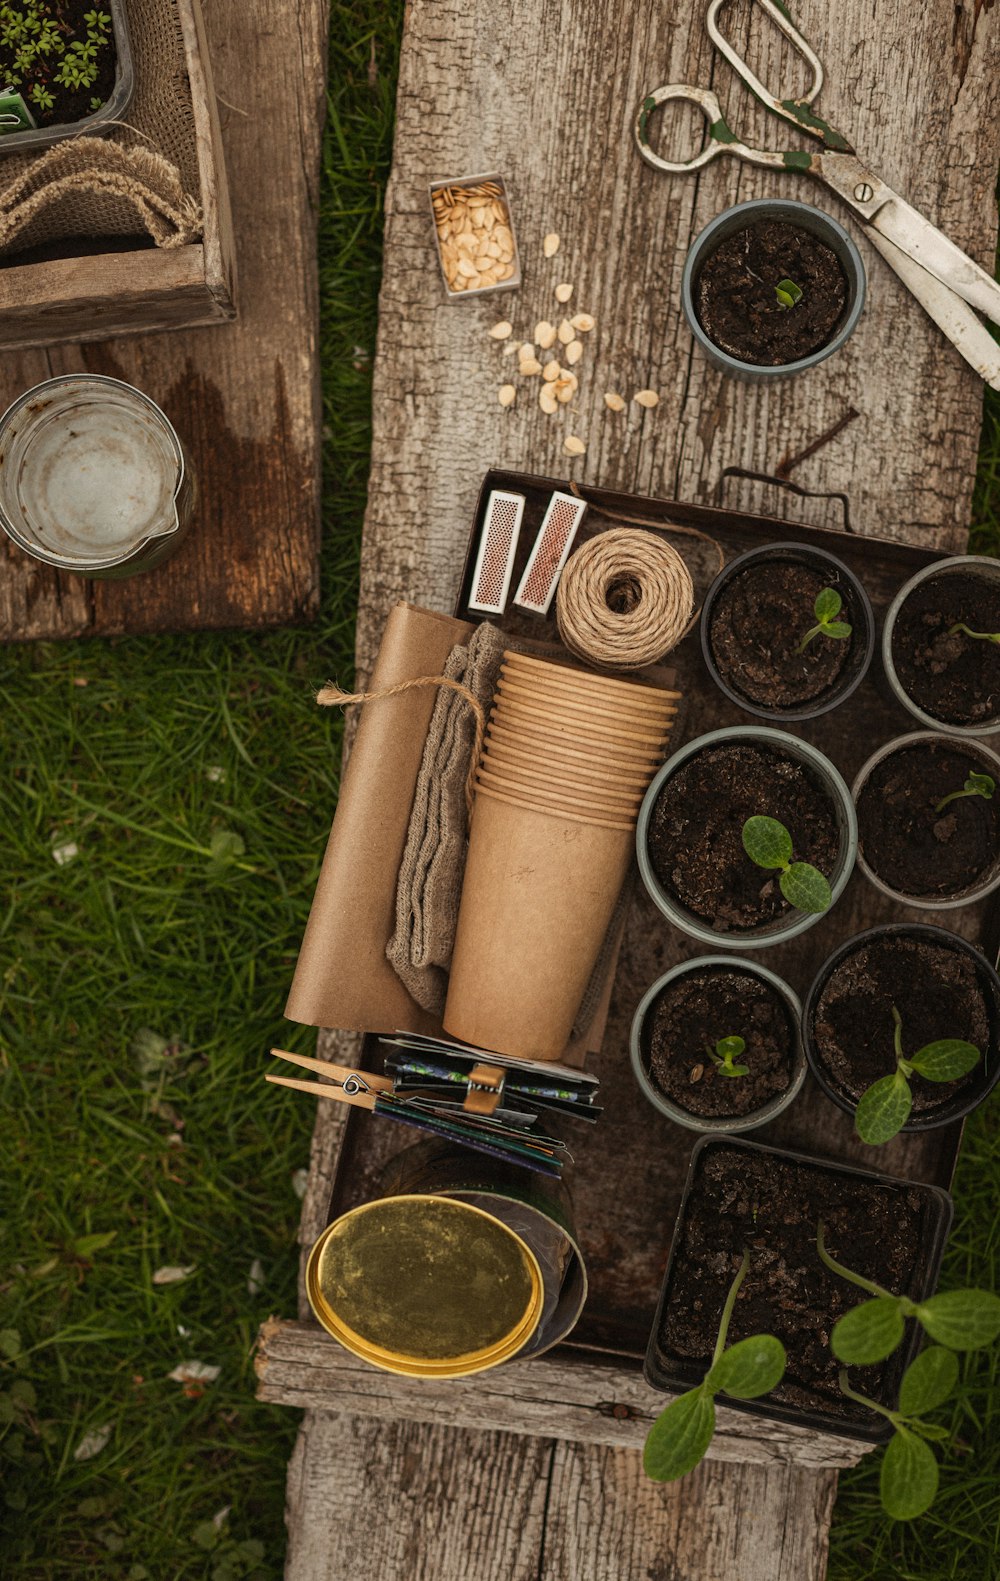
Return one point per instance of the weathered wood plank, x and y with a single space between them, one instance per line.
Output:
430 1505
244 396
563 1394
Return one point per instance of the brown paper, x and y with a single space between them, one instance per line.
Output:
538 898
343 978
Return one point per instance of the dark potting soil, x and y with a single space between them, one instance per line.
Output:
907 842
953 678
69 104
696 832
735 301
937 993
689 1017
772 1207
758 622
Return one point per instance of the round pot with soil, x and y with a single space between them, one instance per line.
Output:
787 631
902 1029
742 1197
929 820
715 1044
746 837
771 288
941 645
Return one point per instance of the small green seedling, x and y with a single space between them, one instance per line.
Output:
681 1434
768 843
908 1479
725 1052
871 1331
884 1108
826 609
787 294
980 636
976 785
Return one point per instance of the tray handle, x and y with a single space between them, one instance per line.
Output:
786 483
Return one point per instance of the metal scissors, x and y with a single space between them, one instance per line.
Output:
944 280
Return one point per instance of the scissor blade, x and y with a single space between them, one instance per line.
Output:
950 313
915 236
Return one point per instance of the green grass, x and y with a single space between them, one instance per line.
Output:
141 982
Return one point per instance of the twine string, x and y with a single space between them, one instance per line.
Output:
332 696
624 600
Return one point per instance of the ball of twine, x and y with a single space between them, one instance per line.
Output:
624 600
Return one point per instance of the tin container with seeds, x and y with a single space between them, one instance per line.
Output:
477 249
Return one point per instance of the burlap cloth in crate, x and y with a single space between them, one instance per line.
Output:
141 179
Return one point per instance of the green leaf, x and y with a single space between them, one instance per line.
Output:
734 1070
961 1319
804 887
749 1368
884 1109
837 628
868 1332
981 785
730 1048
787 293
928 1381
680 1436
86 1245
10 1343
909 1478
945 1060
767 842
23 1394
828 604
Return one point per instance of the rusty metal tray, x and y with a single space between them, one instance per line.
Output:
630 1168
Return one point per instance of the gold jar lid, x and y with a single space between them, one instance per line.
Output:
425 1285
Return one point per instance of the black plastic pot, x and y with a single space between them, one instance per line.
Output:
678 1374
985 1075
857 610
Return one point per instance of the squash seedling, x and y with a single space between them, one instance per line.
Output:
681 1434
909 1474
980 636
976 785
884 1107
725 1052
768 843
826 609
787 294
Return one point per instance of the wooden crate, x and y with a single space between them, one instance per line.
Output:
91 295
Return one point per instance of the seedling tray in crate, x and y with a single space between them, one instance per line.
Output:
630 1169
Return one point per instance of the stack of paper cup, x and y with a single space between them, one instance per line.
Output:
566 762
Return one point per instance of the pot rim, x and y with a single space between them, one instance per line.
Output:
791 210
796 921
946 565
804 711
899 743
722 1125
963 1103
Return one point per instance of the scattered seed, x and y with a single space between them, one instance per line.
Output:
563 292
697 1072
574 351
502 330
545 334
647 398
566 388
529 366
566 332
506 394
614 402
550 246
574 446
527 348
547 399
582 323
552 370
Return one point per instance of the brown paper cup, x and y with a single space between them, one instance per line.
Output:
537 739
578 696
570 814
565 675
577 703
583 727
537 900
545 793
562 770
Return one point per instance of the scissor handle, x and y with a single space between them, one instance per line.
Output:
794 110
721 138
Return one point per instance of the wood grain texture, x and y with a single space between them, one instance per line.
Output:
548 97
567 1393
243 396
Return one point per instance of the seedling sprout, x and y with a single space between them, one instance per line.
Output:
826 609
787 294
768 843
725 1052
884 1108
980 636
976 785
